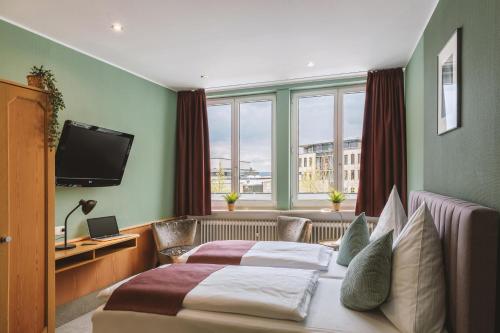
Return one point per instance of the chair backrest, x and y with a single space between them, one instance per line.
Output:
294 229
168 234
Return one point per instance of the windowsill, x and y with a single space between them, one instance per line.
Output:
267 214
323 206
297 210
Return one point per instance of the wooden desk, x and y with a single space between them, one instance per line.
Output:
85 254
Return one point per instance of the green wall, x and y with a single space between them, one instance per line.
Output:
100 94
283 122
464 163
414 76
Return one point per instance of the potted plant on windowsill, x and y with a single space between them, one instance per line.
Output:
336 199
231 199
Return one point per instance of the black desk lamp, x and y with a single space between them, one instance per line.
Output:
87 206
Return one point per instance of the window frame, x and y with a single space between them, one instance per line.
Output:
235 149
338 151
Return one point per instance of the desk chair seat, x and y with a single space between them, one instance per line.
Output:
173 238
169 256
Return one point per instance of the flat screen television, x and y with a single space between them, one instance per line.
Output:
91 156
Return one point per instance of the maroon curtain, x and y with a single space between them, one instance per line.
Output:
192 182
383 149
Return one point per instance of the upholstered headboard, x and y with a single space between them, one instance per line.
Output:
470 239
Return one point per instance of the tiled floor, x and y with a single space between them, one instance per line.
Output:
81 324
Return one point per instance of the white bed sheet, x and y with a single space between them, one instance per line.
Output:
326 315
335 271
255 291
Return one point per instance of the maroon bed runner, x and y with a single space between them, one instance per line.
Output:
160 290
227 252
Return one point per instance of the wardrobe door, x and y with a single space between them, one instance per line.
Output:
24 210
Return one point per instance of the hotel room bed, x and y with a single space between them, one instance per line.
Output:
334 270
469 235
326 314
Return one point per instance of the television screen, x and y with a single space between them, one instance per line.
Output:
91 156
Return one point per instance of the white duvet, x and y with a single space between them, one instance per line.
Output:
278 293
282 254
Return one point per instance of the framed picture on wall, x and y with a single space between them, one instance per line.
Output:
449 84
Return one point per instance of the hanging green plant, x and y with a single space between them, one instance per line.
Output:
45 79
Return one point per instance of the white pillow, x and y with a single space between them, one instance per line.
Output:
416 302
393 217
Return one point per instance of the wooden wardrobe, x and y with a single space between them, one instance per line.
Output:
26 212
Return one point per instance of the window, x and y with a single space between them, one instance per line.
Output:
219 123
353 105
242 149
255 149
326 124
315 132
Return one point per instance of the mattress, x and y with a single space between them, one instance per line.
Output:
335 271
326 315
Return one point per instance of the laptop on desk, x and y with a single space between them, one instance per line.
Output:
104 229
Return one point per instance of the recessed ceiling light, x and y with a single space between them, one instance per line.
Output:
310 64
117 27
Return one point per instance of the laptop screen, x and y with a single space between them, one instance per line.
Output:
102 226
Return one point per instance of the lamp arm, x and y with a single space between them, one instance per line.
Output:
66 224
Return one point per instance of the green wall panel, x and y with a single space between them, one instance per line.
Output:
283 145
100 94
463 163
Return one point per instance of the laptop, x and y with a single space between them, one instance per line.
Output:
104 228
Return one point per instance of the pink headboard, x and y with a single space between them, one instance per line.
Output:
470 239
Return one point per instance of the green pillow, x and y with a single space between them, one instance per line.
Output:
368 278
354 240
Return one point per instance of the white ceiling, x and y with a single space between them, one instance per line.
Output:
233 42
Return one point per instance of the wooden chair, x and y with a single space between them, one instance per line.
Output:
294 229
173 238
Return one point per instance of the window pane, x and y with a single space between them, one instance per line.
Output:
219 124
316 133
353 107
255 150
